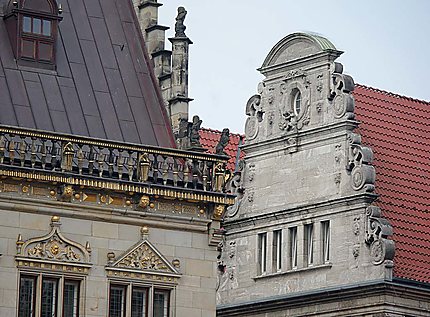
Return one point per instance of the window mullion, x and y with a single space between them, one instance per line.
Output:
128 294
151 301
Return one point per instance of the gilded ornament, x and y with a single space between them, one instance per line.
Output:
128 202
77 196
144 201
151 205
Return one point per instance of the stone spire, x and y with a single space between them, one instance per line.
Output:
178 103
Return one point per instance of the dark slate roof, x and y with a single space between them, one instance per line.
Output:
397 128
103 87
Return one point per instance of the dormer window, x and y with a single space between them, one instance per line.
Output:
32 26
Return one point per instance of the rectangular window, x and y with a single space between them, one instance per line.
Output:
46 27
309 244
71 299
142 301
117 301
262 252
277 250
49 296
293 247
48 304
161 303
26 24
37 26
139 302
325 231
27 288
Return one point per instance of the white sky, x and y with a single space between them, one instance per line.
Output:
386 45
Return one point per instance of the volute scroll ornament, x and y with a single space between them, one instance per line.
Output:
359 164
378 230
341 90
255 113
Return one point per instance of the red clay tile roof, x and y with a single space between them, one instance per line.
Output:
209 139
103 86
397 128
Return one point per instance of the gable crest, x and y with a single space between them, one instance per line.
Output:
143 261
53 251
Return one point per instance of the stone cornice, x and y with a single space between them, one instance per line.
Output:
386 291
237 225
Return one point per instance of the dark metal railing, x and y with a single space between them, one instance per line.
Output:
55 152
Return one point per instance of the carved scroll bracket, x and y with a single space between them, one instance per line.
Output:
341 88
359 164
378 231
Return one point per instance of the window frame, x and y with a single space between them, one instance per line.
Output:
325 240
297 97
262 253
293 247
277 250
309 244
130 286
60 279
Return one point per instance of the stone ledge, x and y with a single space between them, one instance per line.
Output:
292 271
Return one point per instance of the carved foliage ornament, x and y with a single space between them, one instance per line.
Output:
53 247
378 230
359 164
143 257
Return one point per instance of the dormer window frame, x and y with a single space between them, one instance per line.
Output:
34 47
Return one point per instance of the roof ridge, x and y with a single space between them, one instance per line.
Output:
218 131
392 94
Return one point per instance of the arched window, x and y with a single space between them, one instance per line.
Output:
32 27
297 102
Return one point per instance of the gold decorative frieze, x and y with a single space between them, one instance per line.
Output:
115 186
53 251
142 260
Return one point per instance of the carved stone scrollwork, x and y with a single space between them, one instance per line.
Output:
359 164
255 113
54 249
144 261
378 230
235 186
295 82
341 93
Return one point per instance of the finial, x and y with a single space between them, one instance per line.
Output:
144 231
88 247
55 219
60 9
179 25
19 243
176 263
111 257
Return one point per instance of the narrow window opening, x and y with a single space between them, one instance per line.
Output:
27 295
139 302
117 301
49 298
309 244
297 102
71 299
161 303
325 230
293 247
262 253
277 250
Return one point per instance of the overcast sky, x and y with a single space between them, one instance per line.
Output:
386 45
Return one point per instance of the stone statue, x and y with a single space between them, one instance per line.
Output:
194 133
223 141
179 25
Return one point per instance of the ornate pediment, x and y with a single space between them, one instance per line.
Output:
53 251
143 261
